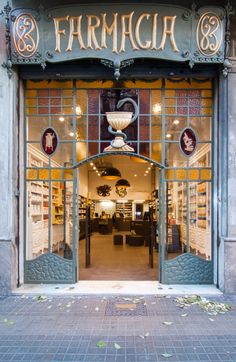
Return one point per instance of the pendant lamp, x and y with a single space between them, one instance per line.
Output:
111 173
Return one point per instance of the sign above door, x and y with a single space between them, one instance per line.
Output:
117 34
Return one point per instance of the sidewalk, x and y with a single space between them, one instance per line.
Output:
114 329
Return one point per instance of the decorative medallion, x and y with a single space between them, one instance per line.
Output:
49 141
119 120
188 142
209 34
104 190
25 35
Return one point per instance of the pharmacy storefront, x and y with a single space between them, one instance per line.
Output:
121 140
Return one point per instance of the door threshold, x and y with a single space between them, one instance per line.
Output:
117 287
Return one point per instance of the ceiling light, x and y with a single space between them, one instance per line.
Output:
78 110
91 164
176 121
96 171
151 164
145 174
111 173
94 168
99 174
168 135
122 183
71 134
146 171
61 119
135 175
149 168
157 108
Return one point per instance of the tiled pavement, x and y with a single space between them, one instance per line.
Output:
68 328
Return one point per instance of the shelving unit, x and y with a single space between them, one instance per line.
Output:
199 208
38 209
82 203
125 208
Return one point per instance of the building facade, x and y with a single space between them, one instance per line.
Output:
65 71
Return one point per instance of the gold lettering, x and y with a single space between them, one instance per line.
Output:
109 29
91 31
128 32
154 31
169 32
59 32
137 32
74 33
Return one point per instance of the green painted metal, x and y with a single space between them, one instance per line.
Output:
187 269
160 32
49 268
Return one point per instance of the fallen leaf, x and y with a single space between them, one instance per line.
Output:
49 307
212 320
146 334
141 336
184 315
41 298
167 323
117 346
8 322
166 355
101 344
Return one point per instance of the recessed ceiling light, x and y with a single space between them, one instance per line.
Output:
61 119
168 135
94 167
146 171
145 174
78 111
99 174
157 108
97 171
149 168
71 134
151 164
135 175
91 163
176 121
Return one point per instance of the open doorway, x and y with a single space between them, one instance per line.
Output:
118 218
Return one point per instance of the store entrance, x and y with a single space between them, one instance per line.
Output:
118 219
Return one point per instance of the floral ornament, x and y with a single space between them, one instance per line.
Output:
104 190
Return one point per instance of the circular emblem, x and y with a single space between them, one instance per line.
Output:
25 35
188 142
49 141
209 34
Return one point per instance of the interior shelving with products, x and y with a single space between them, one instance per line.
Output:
82 203
124 208
199 196
39 206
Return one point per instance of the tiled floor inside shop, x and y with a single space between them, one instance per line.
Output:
116 262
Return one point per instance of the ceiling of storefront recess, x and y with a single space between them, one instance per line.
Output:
140 185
